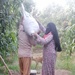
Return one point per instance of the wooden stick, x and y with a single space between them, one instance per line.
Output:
5 65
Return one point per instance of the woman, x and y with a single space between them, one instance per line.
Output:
51 45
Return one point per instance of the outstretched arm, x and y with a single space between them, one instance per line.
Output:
44 41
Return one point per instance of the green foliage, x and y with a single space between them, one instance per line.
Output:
64 18
9 17
65 62
69 39
29 5
8 20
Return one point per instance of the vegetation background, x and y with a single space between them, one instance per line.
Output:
63 17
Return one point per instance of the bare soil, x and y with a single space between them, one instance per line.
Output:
57 72
37 53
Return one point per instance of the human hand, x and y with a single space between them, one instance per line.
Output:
34 34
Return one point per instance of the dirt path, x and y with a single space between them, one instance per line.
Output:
61 72
57 72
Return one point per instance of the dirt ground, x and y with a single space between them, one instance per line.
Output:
61 72
57 72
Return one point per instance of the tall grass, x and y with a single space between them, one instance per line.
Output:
66 62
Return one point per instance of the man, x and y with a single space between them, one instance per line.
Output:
25 43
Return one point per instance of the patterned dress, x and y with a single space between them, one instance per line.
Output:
49 54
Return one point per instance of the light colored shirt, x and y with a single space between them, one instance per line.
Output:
25 43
